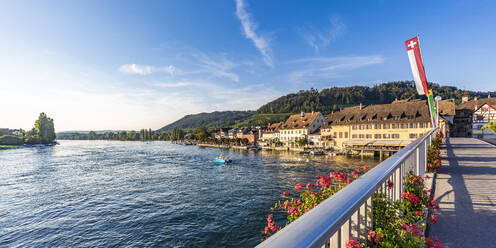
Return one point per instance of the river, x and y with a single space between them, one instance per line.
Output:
145 194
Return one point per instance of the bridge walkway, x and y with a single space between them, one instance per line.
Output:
466 193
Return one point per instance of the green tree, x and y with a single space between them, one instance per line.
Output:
122 135
131 135
92 135
177 134
491 126
302 142
201 133
44 128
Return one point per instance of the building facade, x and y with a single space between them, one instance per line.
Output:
464 125
394 125
299 126
271 134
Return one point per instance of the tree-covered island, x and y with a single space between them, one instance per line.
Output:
43 132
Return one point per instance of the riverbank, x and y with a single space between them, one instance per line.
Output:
5 147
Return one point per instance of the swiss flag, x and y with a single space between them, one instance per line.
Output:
415 57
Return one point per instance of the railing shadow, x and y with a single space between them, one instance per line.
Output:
462 223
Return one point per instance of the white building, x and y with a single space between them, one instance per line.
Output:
271 134
481 117
299 126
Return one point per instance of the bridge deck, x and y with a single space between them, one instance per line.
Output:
466 194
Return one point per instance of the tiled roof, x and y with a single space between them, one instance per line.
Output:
398 111
274 127
472 105
302 120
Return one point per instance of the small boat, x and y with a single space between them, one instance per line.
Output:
316 153
222 160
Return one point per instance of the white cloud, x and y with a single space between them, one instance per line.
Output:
320 38
174 85
249 29
219 66
324 68
146 69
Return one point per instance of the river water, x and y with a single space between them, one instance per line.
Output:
137 194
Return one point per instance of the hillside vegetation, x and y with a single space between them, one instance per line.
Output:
262 119
324 101
210 120
335 98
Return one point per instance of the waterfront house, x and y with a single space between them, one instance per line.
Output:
392 125
242 131
481 117
7 131
467 121
314 139
251 136
232 133
271 134
222 133
299 126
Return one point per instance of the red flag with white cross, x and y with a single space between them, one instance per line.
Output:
415 57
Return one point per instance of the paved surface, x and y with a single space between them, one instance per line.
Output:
466 194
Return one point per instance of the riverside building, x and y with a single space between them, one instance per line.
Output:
472 115
299 126
383 127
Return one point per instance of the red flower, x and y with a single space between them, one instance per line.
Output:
374 237
324 182
365 167
433 219
285 193
351 243
390 184
298 186
419 213
310 186
354 174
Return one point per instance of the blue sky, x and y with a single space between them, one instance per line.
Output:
137 64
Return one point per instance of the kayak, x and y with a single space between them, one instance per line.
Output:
223 161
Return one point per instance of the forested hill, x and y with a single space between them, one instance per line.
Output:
211 120
324 101
335 98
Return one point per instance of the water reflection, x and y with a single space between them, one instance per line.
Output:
110 193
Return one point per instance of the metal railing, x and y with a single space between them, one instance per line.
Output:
344 215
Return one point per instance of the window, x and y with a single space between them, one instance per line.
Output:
369 126
404 125
354 136
385 126
362 127
386 136
377 136
354 127
413 125
340 135
335 135
377 126
346 135
413 136
369 136
423 125
394 126
396 136
361 136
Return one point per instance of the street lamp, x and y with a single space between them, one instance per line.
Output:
437 98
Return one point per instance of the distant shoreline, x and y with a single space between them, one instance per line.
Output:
6 147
